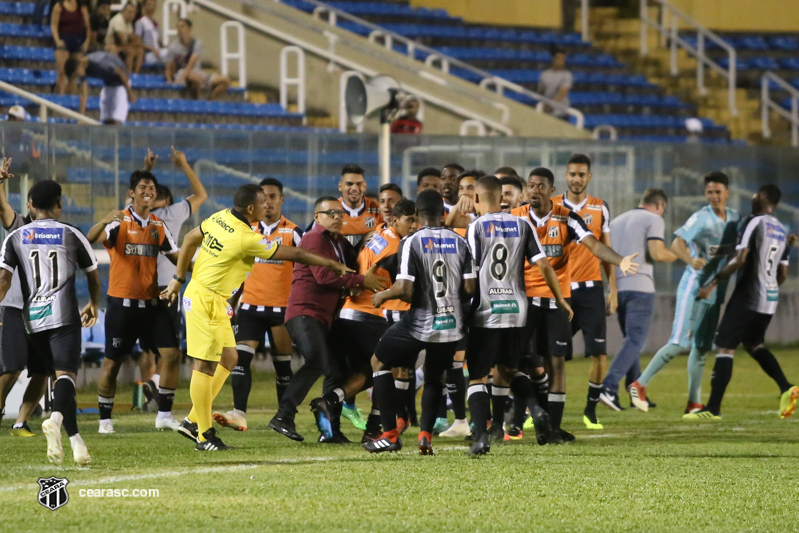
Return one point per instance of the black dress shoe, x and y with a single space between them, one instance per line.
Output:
286 428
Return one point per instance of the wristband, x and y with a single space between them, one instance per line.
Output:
179 280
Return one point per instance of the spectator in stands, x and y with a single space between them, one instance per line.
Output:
146 29
183 65
116 93
99 24
555 84
407 122
17 113
70 26
121 39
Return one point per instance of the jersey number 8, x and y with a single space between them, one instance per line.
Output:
499 262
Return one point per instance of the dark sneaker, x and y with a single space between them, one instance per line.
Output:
556 438
336 438
496 433
212 443
610 399
425 446
321 414
567 437
286 428
188 429
370 435
383 444
542 427
481 446
652 404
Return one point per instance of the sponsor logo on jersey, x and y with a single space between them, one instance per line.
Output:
433 245
212 245
377 244
553 232
553 250
142 250
504 307
285 230
588 219
43 236
594 207
186 304
775 232
501 228
560 218
39 313
499 290
445 309
224 224
441 323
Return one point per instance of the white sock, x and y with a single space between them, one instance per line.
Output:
76 439
340 394
163 414
57 418
157 380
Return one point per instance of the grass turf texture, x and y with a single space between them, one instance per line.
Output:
643 472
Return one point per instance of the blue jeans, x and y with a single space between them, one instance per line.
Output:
635 317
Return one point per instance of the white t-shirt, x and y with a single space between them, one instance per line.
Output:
173 216
147 29
119 25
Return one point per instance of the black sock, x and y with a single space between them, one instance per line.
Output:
284 374
441 407
522 388
383 395
489 387
410 399
165 399
541 385
402 386
106 405
557 400
334 397
241 377
771 366
456 387
722 373
499 401
64 402
519 410
479 401
373 420
594 390
335 417
432 398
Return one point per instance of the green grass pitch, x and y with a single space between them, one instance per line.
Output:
644 472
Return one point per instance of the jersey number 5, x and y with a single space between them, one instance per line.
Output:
770 262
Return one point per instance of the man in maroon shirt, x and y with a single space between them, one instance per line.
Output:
313 302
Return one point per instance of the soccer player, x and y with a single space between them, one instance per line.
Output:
228 249
512 193
449 185
361 214
509 172
263 309
762 264
588 294
314 299
428 178
390 194
435 270
173 215
134 237
462 213
355 333
500 242
15 346
48 253
638 231
547 325
705 243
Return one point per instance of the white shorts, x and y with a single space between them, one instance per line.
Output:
114 104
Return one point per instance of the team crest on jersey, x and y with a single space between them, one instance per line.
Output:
370 222
588 219
432 245
553 232
53 492
154 233
43 236
502 228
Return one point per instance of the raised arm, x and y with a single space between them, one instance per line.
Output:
198 193
191 242
306 257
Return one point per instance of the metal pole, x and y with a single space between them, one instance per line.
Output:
674 69
700 61
384 152
795 121
584 20
644 21
764 97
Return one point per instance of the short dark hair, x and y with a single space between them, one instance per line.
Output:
491 184
163 193
456 166
70 66
543 172
717 177
186 21
771 192
580 159
102 3
472 173
425 172
271 182
430 204
141 175
508 171
246 195
391 187
322 199
45 194
654 196
510 180
352 169
555 50
404 208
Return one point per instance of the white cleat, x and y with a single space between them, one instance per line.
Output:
106 427
167 423
55 453
459 428
81 454
232 420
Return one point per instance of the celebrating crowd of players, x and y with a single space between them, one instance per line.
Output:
486 270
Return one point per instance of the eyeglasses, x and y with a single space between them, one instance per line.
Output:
331 213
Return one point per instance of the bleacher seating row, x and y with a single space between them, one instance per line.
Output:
785 43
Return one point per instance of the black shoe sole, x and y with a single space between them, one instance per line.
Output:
183 432
295 436
542 427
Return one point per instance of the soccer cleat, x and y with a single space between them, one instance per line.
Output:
321 413
556 438
150 392
567 437
514 433
592 425
638 396
188 429
529 424
80 453
542 426
692 407
788 401
370 435
610 399
402 425
106 427
23 431
459 428
167 423
286 428
212 443
481 446
425 446
652 404
231 420
496 433
704 414
355 416
383 444
337 438
441 425
52 431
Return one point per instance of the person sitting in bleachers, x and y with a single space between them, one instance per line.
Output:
555 83
146 28
99 24
183 65
121 40
70 26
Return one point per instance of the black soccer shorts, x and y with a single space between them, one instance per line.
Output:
16 349
588 304
253 322
126 322
488 347
355 341
549 331
741 325
59 347
399 349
